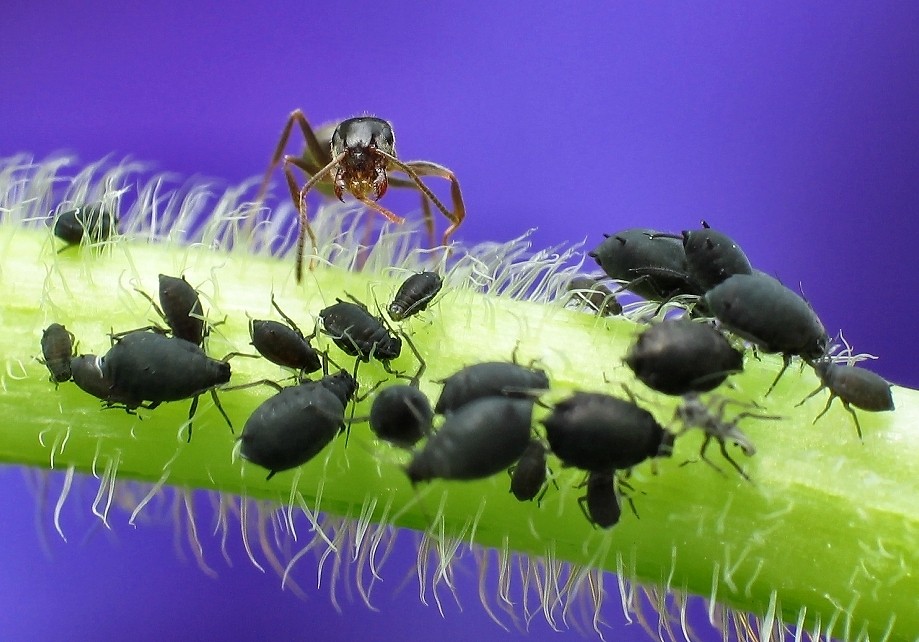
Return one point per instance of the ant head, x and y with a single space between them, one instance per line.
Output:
356 135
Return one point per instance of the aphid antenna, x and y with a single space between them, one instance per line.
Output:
266 382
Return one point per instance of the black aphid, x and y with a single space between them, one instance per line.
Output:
652 265
528 475
57 351
87 374
358 333
95 223
182 309
679 356
693 413
488 379
600 503
151 367
766 313
593 294
596 432
284 345
401 415
478 440
414 295
712 257
293 426
854 387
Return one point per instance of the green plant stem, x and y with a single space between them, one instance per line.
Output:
828 524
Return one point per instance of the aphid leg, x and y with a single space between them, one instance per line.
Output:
801 403
724 452
191 413
858 427
222 411
252 384
582 504
422 366
786 361
705 443
286 318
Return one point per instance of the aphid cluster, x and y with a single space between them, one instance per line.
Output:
490 417
725 293
148 366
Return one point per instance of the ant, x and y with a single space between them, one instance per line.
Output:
357 159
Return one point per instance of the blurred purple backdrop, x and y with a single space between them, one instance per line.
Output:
791 127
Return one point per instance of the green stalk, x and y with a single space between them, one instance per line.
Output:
826 535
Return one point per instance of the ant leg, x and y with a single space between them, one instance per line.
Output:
425 205
393 218
318 154
416 169
299 197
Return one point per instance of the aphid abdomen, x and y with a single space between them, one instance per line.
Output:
679 356
765 312
292 427
283 346
492 378
414 295
152 367
401 415
597 432
478 440
182 309
57 351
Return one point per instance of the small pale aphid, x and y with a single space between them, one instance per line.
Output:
853 386
693 413
57 351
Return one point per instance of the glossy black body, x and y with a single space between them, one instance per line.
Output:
293 426
480 439
401 415
491 378
712 257
358 333
600 502
57 351
678 356
152 367
528 475
87 374
765 312
284 346
182 309
653 266
596 432
93 222
414 295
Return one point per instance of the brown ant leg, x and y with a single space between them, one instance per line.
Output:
299 197
416 169
317 151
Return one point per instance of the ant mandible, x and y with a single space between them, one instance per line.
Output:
360 153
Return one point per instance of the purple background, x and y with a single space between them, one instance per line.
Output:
793 128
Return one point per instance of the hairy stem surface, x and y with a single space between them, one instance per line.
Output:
829 524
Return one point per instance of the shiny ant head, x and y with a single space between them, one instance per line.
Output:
362 170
